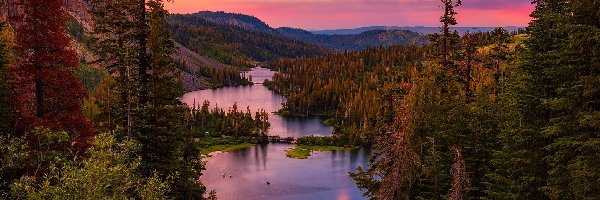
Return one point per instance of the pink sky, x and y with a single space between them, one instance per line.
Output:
334 14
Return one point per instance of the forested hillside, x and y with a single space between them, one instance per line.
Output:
348 86
478 116
344 86
80 25
234 45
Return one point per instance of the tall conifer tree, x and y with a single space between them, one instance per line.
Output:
549 145
46 91
116 44
167 147
135 46
564 49
6 113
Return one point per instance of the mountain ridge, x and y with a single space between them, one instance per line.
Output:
247 22
233 44
368 39
419 29
363 40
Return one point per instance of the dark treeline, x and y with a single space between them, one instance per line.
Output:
218 76
233 45
235 122
322 141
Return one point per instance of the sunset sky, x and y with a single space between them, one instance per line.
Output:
334 14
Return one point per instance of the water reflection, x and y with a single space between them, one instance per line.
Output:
259 74
323 176
259 97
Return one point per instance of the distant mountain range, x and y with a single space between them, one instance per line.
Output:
358 41
363 40
243 41
219 40
419 29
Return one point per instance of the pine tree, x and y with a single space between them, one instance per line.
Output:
498 56
441 119
446 42
394 172
164 85
570 74
548 142
135 45
167 147
44 76
116 44
142 30
468 57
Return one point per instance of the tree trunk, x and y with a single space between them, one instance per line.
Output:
468 76
143 57
39 96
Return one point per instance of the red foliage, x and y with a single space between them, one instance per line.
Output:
47 93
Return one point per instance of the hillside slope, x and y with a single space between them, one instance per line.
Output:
234 45
81 24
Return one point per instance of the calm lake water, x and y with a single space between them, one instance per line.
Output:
324 175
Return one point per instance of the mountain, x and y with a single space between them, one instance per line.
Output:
190 63
235 45
419 29
240 20
206 49
368 39
357 41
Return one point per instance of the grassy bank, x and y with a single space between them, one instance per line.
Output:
224 148
286 113
208 145
304 151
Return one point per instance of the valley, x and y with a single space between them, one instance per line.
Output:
299 100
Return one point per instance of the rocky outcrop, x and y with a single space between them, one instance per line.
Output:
79 9
191 61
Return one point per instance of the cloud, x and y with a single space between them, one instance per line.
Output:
325 14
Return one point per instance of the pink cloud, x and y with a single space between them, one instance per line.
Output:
327 14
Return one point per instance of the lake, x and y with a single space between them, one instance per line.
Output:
324 175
